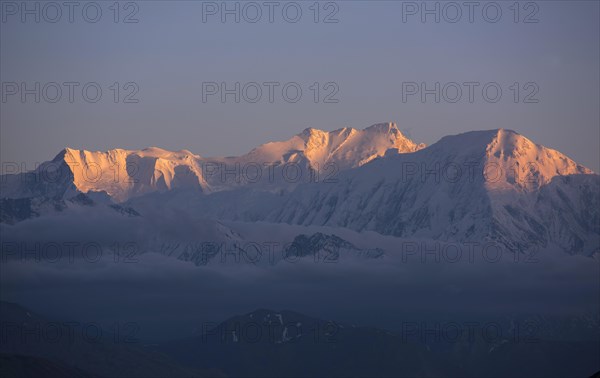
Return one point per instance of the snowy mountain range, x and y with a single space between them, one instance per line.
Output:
481 186
124 174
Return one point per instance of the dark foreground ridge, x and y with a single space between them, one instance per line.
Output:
269 343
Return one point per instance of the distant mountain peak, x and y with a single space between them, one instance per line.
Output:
309 131
383 127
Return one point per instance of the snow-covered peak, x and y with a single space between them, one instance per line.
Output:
510 146
385 127
507 158
346 147
311 132
126 173
525 164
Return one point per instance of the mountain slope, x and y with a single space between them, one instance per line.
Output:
473 187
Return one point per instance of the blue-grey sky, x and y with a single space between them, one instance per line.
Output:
170 52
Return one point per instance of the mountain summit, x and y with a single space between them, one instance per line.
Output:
345 147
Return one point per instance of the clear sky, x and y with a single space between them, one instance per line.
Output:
369 53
